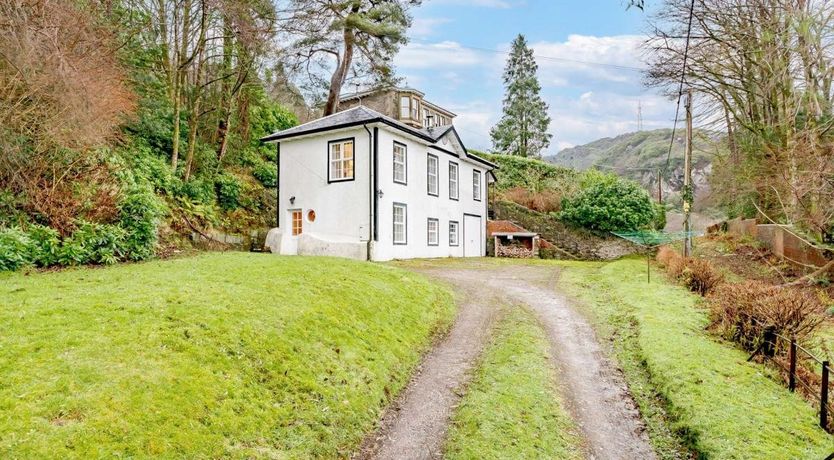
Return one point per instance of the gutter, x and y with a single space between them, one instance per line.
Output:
372 187
376 184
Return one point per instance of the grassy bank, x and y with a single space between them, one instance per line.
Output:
718 404
512 409
221 355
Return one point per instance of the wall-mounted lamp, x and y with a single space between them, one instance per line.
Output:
292 200
379 193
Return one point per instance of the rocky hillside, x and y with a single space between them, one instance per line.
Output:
639 155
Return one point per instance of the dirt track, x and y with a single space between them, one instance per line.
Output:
415 426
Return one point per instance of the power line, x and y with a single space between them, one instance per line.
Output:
680 86
550 58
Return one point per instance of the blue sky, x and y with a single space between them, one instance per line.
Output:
457 54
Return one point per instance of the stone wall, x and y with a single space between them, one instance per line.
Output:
781 241
384 102
576 242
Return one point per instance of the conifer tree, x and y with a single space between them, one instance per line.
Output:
523 129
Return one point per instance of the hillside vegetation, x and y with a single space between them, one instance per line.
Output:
225 355
594 200
639 155
641 149
118 139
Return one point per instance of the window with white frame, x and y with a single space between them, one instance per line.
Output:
415 110
340 165
476 185
433 231
431 175
405 107
453 180
399 163
400 221
453 233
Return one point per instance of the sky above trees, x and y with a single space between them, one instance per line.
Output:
458 51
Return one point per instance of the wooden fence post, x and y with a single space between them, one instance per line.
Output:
792 365
824 397
769 341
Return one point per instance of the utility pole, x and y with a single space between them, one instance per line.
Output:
659 187
687 178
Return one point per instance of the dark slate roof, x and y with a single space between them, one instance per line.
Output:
361 115
352 117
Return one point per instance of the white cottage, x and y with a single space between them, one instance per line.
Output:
363 185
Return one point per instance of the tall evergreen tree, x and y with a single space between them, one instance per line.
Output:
523 128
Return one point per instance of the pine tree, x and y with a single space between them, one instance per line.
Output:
522 129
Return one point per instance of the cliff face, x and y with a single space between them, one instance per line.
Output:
641 154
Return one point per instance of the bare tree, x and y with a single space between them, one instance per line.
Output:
62 96
762 67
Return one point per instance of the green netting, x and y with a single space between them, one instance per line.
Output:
653 238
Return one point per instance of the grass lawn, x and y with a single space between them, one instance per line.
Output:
511 408
220 355
720 405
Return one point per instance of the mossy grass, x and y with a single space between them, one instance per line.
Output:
512 408
696 392
220 355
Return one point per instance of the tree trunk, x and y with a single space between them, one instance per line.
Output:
175 138
339 75
179 75
196 99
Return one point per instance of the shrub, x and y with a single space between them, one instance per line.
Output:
700 276
659 221
45 245
198 191
676 267
608 203
228 191
740 312
15 249
147 166
93 243
544 201
696 274
665 255
139 214
266 173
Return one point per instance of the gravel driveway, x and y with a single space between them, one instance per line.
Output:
414 426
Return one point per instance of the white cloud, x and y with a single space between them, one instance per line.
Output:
594 115
574 120
587 101
575 62
424 27
583 57
436 55
474 121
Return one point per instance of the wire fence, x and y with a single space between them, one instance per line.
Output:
798 369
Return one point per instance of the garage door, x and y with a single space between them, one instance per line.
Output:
472 236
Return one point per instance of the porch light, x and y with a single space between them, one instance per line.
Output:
379 193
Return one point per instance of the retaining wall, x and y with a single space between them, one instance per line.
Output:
781 241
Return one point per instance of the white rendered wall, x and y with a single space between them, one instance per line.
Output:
343 208
420 205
